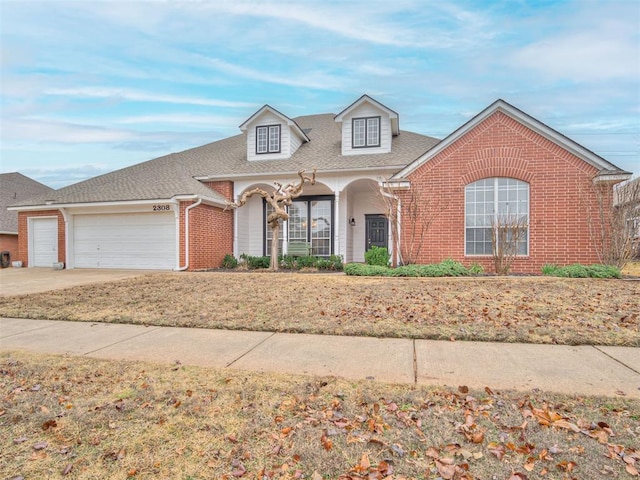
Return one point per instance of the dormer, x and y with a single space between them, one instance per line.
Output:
367 127
272 135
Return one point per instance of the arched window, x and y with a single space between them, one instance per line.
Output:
497 216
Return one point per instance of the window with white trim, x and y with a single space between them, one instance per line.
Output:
268 139
496 209
310 220
366 132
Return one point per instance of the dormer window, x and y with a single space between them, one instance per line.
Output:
268 139
366 132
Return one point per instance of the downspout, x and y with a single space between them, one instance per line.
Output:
186 235
396 246
67 253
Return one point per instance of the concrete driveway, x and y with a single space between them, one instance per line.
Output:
19 281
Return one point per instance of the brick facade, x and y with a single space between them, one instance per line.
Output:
23 235
210 235
559 188
9 243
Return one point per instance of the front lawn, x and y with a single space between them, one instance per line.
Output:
82 418
506 309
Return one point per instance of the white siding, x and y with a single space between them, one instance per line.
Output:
366 110
289 141
250 229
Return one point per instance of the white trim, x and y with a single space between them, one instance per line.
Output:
526 120
262 177
30 220
603 177
393 116
120 203
291 123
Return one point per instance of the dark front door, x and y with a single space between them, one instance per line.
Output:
377 231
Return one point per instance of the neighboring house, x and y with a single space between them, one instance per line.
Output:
169 213
14 188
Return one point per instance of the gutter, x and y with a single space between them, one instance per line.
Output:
186 235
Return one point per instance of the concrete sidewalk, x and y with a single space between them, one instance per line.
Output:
584 370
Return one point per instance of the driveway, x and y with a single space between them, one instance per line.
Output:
18 281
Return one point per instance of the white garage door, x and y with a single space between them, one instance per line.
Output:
44 242
140 240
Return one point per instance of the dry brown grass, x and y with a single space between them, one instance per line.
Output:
509 309
97 419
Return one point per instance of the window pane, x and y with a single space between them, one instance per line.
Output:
261 139
496 203
321 227
359 129
373 131
298 221
274 138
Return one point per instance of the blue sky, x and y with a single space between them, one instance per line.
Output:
93 86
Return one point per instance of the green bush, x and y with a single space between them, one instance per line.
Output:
362 270
447 268
377 256
257 262
229 261
582 271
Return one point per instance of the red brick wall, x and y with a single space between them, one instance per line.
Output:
211 235
559 186
23 235
224 188
9 243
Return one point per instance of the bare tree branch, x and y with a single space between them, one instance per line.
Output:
280 198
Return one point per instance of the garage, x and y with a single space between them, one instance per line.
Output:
136 240
43 239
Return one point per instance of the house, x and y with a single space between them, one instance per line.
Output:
14 187
169 213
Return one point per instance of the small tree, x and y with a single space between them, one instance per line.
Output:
614 221
417 212
279 199
508 231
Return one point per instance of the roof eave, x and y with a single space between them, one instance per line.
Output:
535 125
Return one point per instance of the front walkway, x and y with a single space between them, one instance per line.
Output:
582 370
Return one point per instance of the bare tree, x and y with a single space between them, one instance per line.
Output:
508 232
413 218
279 199
614 221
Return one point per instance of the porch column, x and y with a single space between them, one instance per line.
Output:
336 217
235 228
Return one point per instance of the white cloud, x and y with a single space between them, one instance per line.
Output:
138 96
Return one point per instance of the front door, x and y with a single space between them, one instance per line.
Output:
377 231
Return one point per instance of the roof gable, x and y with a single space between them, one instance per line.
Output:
393 116
286 120
603 166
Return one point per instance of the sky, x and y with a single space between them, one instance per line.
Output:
93 86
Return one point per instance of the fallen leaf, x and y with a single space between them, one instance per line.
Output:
67 469
40 445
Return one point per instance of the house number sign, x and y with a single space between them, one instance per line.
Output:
161 208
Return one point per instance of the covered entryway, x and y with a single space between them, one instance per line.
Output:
131 241
43 241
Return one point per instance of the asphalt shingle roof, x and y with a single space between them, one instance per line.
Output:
174 174
15 188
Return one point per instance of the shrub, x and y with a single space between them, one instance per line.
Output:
288 262
229 261
306 261
359 269
582 271
447 268
257 262
377 256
